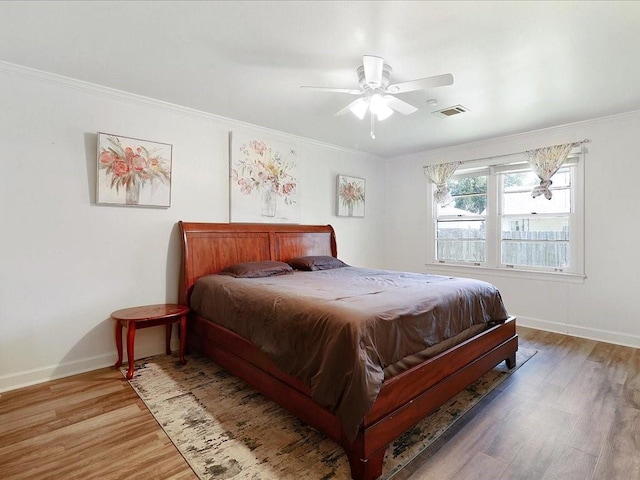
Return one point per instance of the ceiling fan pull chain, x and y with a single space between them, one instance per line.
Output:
373 135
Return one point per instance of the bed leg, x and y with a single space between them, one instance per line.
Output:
368 468
510 361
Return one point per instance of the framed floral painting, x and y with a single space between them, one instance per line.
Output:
351 196
133 172
264 180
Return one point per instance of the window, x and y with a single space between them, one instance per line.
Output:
461 230
494 222
535 231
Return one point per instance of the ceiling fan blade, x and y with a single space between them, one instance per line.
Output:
421 84
358 107
399 105
350 91
373 70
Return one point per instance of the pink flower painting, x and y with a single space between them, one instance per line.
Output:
351 193
130 168
265 172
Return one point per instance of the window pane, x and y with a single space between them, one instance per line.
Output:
464 206
469 197
523 181
536 242
524 203
468 185
462 241
517 197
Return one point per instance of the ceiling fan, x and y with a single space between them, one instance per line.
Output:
377 93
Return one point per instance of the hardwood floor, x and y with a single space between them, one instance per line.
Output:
571 412
84 427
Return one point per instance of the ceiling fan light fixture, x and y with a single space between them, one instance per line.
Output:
359 108
383 113
378 107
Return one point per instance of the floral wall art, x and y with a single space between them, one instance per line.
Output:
351 196
133 172
265 184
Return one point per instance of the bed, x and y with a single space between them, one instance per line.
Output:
403 398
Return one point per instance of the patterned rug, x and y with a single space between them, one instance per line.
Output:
226 430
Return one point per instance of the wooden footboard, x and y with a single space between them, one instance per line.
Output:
403 401
406 399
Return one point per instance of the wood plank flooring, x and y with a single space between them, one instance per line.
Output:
84 427
571 412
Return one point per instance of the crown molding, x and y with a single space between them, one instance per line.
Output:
529 139
132 98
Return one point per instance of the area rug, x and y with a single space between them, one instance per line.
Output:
226 430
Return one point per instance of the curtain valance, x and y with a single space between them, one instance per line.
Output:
544 162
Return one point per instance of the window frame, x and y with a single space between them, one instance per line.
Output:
466 218
493 258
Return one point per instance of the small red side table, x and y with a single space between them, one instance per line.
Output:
149 316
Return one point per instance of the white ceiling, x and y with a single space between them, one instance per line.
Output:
517 66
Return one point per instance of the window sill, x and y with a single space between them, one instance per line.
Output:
509 273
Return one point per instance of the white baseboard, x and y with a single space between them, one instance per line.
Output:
66 369
53 372
606 336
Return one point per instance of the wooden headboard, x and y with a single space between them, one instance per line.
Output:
210 247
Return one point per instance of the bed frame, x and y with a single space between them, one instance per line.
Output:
403 400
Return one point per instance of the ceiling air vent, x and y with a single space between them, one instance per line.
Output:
451 111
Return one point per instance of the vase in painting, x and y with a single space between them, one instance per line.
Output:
132 193
269 198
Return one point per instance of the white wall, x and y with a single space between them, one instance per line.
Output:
67 263
605 306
